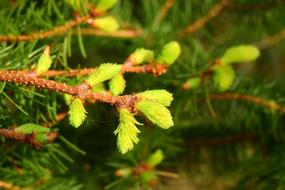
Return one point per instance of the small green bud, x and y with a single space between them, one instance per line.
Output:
224 77
127 131
124 172
148 176
75 4
104 72
141 55
192 83
104 5
156 113
155 158
242 53
117 84
45 138
169 53
108 24
67 98
44 62
99 88
77 113
161 96
30 128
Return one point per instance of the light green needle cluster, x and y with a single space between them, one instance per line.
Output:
104 5
224 77
169 53
108 23
240 54
117 84
44 62
157 113
127 131
155 158
104 72
161 96
77 113
141 55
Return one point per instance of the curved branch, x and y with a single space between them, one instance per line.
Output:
270 104
54 31
200 22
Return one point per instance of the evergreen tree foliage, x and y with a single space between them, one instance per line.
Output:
142 94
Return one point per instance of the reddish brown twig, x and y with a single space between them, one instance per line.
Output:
163 11
271 40
126 33
56 30
200 22
256 6
270 104
8 186
82 91
154 69
60 116
27 138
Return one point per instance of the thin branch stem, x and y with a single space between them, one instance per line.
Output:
200 22
124 33
163 11
271 105
27 138
272 40
8 186
54 31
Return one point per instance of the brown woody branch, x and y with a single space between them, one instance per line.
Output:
54 31
26 138
163 11
271 105
200 22
82 91
8 186
272 40
154 69
124 33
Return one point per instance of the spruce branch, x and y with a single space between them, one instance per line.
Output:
30 138
83 91
256 6
271 40
269 104
54 31
8 186
200 22
123 33
163 11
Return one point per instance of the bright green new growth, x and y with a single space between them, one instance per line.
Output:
141 55
194 82
99 88
104 5
108 23
161 96
242 53
44 62
147 176
77 113
127 131
30 128
156 113
117 84
155 158
75 4
104 72
169 53
224 77
67 98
